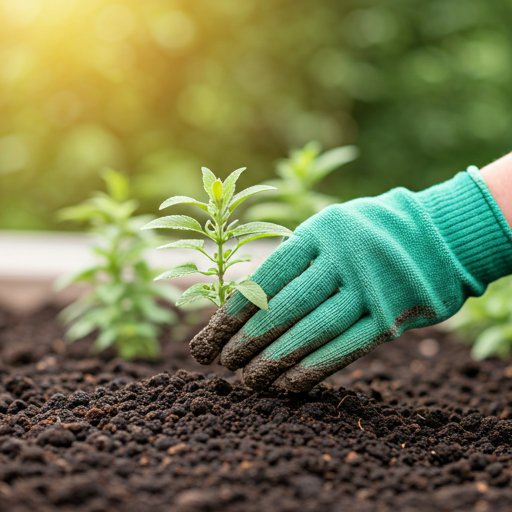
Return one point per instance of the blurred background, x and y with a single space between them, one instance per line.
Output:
157 88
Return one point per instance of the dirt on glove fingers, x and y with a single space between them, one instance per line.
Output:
415 426
302 378
207 344
241 348
261 372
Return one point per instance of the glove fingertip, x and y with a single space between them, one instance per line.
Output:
300 379
203 349
207 344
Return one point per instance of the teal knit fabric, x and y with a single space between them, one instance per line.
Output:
360 273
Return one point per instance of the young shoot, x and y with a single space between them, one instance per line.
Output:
295 199
121 305
220 230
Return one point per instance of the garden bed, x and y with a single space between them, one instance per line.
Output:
414 426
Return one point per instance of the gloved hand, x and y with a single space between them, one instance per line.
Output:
357 275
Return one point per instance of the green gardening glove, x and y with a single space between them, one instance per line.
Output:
357 275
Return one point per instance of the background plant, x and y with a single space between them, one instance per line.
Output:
122 304
294 200
422 88
487 321
222 203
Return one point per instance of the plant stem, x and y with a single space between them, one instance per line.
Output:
220 264
220 261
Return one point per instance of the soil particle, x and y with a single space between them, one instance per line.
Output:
93 435
56 436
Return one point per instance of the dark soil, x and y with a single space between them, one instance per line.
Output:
416 426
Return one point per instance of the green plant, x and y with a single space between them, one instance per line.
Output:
222 202
487 321
295 200
122 303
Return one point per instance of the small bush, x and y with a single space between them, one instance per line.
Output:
295 199
122 304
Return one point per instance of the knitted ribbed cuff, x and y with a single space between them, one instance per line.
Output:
472 224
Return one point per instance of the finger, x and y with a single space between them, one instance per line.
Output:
301 296
364 336
290 259
326 322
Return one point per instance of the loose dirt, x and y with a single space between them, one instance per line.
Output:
414 426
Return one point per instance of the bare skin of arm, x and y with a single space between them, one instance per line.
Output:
498 177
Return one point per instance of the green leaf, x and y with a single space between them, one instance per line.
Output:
152 312
208 180
90 321
106 338
175 222
232 225
179 271
261 228
113 210
143 271
230 184
242 259
80 329
111 293
117 185
248 192
253 292
130 253
249 238
87 274
491 341
195 292
331 160
80 213
76 309
183 200
217 189
166 291
184 244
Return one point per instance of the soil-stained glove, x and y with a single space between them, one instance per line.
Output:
357 275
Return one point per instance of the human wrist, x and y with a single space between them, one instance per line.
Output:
498 178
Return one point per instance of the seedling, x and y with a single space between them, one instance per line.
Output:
122 303
222 203
296 201
487 321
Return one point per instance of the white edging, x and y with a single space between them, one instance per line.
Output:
30 262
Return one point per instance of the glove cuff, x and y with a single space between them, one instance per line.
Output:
472 224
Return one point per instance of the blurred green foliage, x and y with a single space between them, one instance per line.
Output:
155 88
486 322
122 303
294 199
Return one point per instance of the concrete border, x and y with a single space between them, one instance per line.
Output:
31 261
